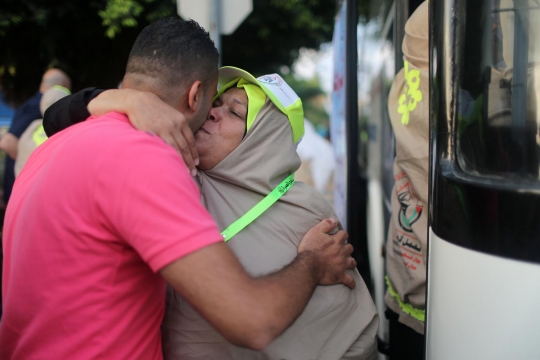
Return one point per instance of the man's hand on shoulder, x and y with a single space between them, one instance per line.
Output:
147 112
331 253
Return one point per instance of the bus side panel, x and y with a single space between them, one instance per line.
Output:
487 308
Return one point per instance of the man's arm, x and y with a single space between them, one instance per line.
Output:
145 110
252 312
69 110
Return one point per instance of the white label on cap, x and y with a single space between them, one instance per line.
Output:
276 85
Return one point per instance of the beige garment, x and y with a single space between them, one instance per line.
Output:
408 106
338 323
27 144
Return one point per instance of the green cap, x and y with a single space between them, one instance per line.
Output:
272 86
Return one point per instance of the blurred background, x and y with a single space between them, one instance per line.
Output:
91 40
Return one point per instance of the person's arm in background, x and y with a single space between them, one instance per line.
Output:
251 312
25 114
9 143
145 111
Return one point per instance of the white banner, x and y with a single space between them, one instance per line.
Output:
337 117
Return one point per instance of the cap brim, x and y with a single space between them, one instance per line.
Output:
229 73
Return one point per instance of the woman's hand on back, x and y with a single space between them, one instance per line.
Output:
331 251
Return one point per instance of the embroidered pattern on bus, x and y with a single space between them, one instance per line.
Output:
412 95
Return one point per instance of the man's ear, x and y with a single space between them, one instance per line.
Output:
195 96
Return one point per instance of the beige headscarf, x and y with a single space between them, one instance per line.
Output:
408 107
338 323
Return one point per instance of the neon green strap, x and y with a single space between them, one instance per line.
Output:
258 209
418 314
62 88
39 135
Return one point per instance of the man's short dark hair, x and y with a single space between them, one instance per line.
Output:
175 51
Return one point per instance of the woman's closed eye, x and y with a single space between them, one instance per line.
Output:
238 115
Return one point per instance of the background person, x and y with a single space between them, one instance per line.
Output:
110 223
406 246
25 114
247 149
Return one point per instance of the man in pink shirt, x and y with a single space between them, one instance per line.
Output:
103 215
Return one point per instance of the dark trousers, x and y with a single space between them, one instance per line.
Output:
405 343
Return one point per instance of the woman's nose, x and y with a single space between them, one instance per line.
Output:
213 114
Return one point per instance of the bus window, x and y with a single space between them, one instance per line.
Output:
499 90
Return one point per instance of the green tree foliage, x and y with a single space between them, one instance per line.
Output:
120 14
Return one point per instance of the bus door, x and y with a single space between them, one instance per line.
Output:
483 290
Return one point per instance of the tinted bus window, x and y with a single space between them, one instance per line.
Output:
499 89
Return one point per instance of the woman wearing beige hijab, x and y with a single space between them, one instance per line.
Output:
247 148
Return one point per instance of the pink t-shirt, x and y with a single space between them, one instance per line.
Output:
97 211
